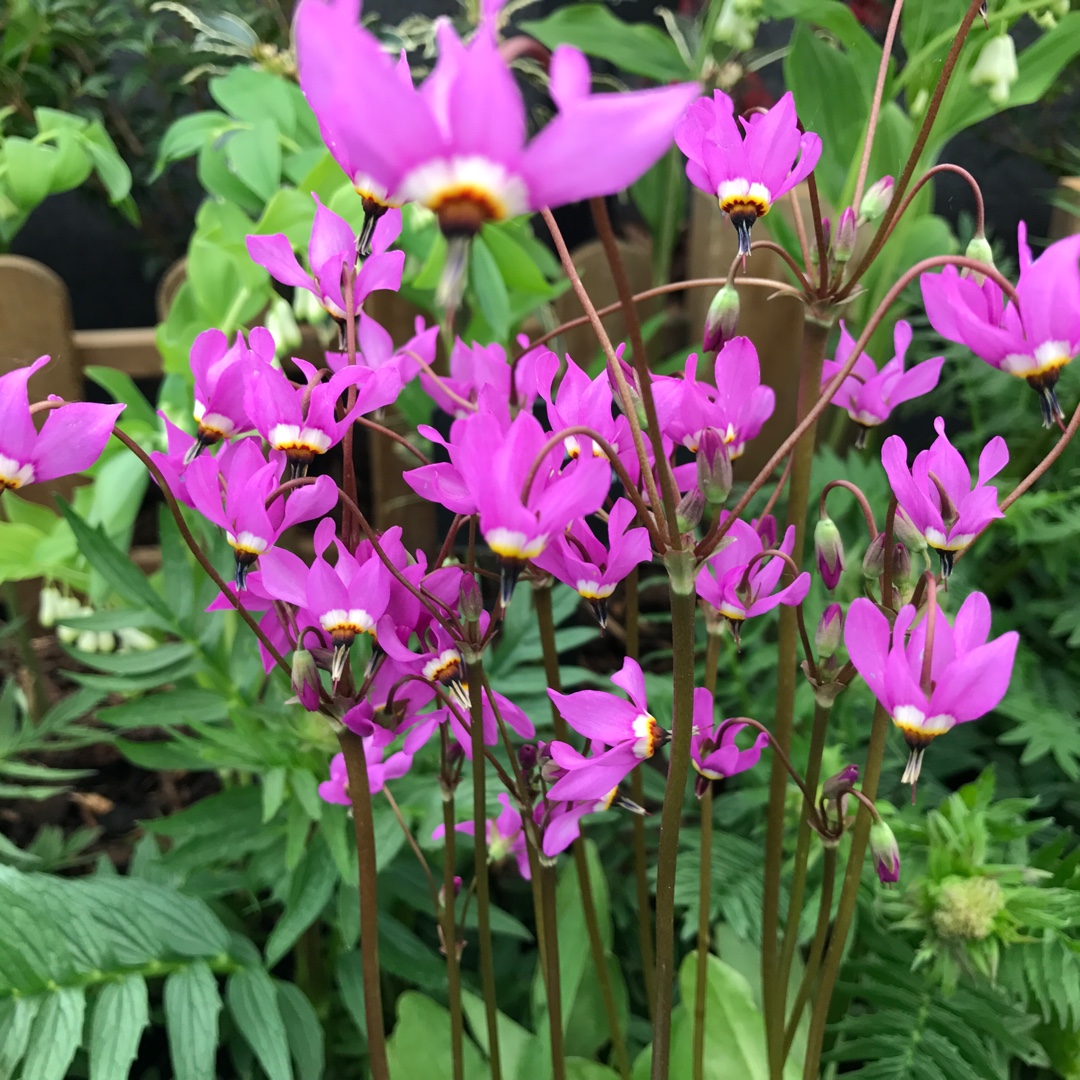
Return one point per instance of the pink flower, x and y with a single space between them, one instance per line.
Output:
458 144
472 368
505 836
716 757
627 727
740 591
70 440
336 789
222 374
331 254
563 825
1034 341
581 561
870 395
968 674
746 170
936 493
232 493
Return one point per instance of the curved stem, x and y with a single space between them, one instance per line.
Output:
704 903
800 228
440 382
352 747
980 212
875 107
778 489
629 409
411 841
394 436
793 266
819 230
864 503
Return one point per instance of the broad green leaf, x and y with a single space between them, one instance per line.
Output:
420 1043
28 170
349 975
119 619
839 20
402 953
137 662
254 95
489 288
192 1004
310 890
637 48
55 1035
24 512
515 265
583 1069
218 179
186 136
518 1049
254 155
304 1032
16 1019
290 212
71 163
121 1013
273 792
18 544
253 1003
110 166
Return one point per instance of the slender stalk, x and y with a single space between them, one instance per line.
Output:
704 902
802 847
817 947
546 622
475 668
815 337
449 928
683 609
554 979
849 895
360 796
350 523
637 792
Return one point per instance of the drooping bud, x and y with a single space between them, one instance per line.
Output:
826 230
877 199
996 68
829 551
470 599
979 249
885 852
714 477
905 531
631 381
829 633
842 782
901 566
689 512
873 564
528 756
50 601
306 683
722 319
844 242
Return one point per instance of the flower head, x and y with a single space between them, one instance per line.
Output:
870 395
746 170
458 144
1034 340
713 750
472 368
966 678
70 440
936 493
505 836
336 789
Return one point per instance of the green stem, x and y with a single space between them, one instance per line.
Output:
475 668
704 900
817 947
802 845
637 792
683 609
546 622
360 797
449 932
849 895
554 979
815 338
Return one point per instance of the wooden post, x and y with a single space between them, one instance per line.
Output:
1065 219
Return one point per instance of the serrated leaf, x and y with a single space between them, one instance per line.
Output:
121 1013
16 1019
254 1006
192 1004
55 1035
303 1030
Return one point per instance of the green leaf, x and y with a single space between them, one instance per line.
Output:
402 953
121 1013
253 1003
637 48
489 288
304 1032
273 792
111 168
254 95
419 1045
16 1019
519 1052
123 389
137 662
55 1035
28 170
254 156
186 136
349 974
515 265
192 1004
310 889
290 212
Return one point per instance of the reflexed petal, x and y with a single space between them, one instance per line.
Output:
630 679
866 635
73 438
976 682
597 715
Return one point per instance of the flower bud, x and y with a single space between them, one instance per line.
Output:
996 68
826 230
1048 17
905 531
528 756
885 852
873 564
714 477
306 683
470 599
690 510
87 641
837 785
829 631
979 249
901 566
635 395
843 246
722 319
49 604
767 529
877 199
131 638
829 550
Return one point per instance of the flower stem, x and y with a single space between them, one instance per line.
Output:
554 978
849 895
683 609
546 622
360 796
449 934
815 338
350 524
475 668
704 902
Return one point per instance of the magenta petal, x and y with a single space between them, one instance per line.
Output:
993 459
17 432
921 379
310 502
597 776
975 683
631 679
563 830
275 254
570 79
73 438
971 627
866 635
284 576
596 715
